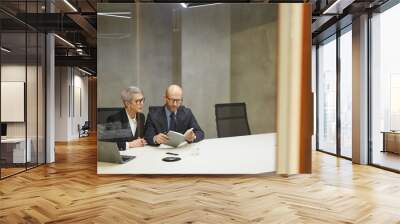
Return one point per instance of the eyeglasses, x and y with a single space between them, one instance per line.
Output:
139 101
178 101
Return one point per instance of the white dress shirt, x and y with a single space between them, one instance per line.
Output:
133 124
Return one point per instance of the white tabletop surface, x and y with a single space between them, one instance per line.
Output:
252 154
13 140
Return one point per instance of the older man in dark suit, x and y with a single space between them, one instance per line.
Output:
172 117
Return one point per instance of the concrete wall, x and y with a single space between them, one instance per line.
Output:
206 49
136 51
155 46
229 55
116 53
253 62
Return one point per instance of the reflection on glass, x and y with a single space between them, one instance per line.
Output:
162 44
218 54
14 153
386 89
327 97
22 92
346 94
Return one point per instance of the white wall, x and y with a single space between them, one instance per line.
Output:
33 126
16 73
69 82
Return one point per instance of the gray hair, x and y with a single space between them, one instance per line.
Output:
127 93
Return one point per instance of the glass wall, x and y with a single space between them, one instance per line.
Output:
334 94
327 96
385 89
13 84
346 92
22 79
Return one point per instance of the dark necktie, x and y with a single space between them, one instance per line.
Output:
172 122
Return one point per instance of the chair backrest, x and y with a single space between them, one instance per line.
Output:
104 113
231 119
86 125
152 108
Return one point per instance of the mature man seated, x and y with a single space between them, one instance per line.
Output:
172 117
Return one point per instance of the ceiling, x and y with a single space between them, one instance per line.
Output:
76 22
332 15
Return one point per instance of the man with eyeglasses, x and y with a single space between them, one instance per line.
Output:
172 117
128 124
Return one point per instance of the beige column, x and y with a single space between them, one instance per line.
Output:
295 123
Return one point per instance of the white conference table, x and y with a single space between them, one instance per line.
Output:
252 154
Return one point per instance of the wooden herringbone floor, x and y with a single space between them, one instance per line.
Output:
70 191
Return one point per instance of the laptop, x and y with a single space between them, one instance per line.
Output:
108 152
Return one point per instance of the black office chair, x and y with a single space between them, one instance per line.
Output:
152 108
84 129
231 119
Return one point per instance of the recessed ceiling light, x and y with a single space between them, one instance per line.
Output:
337 7
70 5
5 50
84 71
124 15
65 41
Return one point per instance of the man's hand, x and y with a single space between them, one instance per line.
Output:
189 135
140 142
161 138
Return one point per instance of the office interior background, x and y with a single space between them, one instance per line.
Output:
29 58
49 90
335 66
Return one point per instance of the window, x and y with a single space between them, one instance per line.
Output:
385 89
327 96
335 74
346 93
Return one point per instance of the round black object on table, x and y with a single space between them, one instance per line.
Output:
171 159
